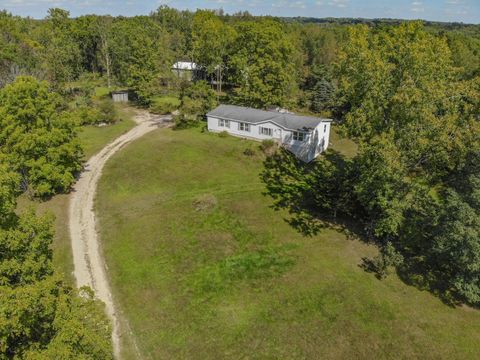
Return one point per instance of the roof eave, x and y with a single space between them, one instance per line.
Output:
266 121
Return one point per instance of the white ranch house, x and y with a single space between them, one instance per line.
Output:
305 136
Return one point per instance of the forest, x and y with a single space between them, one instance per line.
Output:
408 93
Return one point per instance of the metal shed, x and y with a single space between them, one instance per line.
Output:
120 96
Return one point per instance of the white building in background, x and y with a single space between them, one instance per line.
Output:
185 70
305 136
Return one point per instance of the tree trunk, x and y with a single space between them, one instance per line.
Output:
220 78
107 59
108 62
104 25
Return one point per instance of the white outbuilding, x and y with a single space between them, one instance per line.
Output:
185 70
120 96
305 136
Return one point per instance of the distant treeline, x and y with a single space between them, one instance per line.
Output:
296 54
379 21
407 92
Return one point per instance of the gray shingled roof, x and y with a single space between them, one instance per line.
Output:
254 116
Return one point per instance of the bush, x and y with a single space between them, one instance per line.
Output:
85 115
100 112
183 121
223 134
268 146
107 111
165 105
162 108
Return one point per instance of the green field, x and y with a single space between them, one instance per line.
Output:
93 139
203 268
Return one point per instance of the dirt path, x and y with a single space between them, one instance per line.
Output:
87 258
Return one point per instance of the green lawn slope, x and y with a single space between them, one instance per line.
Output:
203 268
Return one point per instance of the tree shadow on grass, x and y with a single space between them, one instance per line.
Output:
313 207
289 183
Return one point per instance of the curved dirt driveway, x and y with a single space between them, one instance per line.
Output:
89 267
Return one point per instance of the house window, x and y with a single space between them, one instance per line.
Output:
244 127
265 131
299 136
325 128
223 123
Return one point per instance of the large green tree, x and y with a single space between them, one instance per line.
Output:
212 40
413 185
456 239
401 80
60 51
261 65
41 317
141 54
197 99
9 186
178 24
37 137
19 53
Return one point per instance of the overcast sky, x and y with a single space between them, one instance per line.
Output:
467 11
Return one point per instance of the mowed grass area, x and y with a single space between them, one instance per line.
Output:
92 139
203 268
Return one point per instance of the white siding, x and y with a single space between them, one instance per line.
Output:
323 131
277 132
315 141
120 97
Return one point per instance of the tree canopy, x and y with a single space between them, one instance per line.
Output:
413 185
261 64
37 137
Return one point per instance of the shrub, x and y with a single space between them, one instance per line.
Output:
86 115
183 121
100 112
223 134
107 111
197 100
165 105
269 147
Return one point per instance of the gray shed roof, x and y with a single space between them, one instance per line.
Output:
255 116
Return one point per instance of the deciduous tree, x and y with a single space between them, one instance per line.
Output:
37 137
261 64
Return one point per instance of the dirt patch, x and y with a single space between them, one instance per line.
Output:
205 203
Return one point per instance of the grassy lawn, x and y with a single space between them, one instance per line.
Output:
93 139
342 145
203 268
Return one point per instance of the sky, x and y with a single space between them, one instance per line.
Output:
467 11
